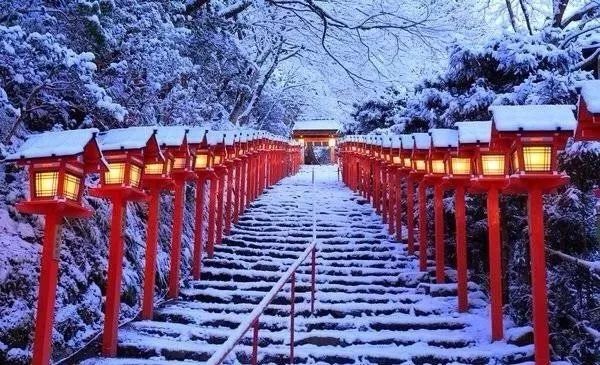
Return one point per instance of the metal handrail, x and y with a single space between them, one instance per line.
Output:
253 318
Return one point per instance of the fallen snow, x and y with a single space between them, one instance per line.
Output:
443 137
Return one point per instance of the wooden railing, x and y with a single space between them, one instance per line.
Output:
253 319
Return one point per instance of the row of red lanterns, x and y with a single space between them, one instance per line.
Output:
515 153
139 164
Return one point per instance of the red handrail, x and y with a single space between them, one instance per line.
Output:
253 319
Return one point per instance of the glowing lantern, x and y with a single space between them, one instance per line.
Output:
471 135
57 163
442 142
534 134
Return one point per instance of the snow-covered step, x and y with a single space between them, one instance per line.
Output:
372 304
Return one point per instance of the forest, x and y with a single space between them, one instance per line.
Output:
386 66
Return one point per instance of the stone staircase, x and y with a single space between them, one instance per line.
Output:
373 306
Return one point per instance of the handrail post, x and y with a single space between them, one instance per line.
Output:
255 326
292 300
313 275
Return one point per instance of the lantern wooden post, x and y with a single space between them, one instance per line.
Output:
495 262
212 212
151 253
461 249
410 214
44 320
113 282
438 194
422 190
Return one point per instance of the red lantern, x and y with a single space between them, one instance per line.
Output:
471 136
124 151
57 163
203 167
422 143
534 134
174 143
442 142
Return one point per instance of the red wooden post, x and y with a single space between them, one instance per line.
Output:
44 320
151 252
422 227
229 206
439 233
398 212
220 204
175 268
212 211
243 184
376 187
410 214
538 277
461 249
313 274
392 209
199 228
113 284
238 191
255 327
292 307
495 263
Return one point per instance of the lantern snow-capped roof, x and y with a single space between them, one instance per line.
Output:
444 138
474 132
590 94
126 138
422 141
407 141
71 143
588 128
56 144
512 118
171 136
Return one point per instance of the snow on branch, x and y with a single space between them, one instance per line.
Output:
592 266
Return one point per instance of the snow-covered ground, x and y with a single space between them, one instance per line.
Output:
373 305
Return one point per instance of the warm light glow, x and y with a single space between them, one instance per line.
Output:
407 162
420 165
201 161
493 164
397 160
179 163
353 149
115 173
331 142
154 169
217 160
135 174
438 167
537 158
388 157
46 184
71 187
461 166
